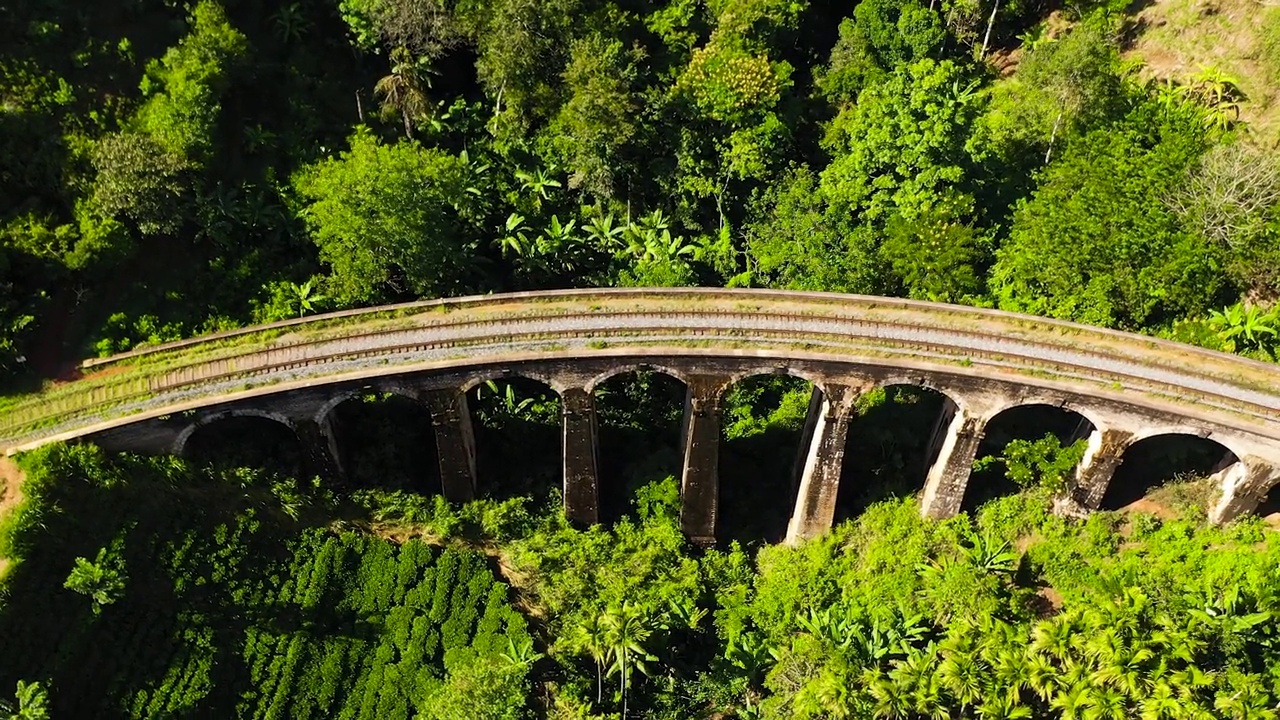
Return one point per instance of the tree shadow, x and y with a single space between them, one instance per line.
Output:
886 452
387 441
1152 462
639 423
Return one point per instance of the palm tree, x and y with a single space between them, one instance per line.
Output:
1072 702
1161 704
628 630
892 700
103 579
1003 707
1244 698
1105 704
31 702
961 673
404 90
592 637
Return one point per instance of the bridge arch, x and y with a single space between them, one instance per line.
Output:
1072 405
890 447
518 423
631 453
481 376
762 456
179 447
1031 419
923 381
637 367
774 369
1159 455
383 437
322 413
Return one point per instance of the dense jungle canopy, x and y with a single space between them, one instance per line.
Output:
174 168
168 168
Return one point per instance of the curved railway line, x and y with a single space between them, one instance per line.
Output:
526 327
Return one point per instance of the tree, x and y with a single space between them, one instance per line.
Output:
1230 192
938 256
881 36
491 688
598 120
796 243
627 628
403 91
139 179
102 580
591 635
1062 86
31 702
424 27
185 85
901 148
389 220
1095 242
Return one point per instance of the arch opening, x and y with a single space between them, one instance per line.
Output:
386 440
1269 508
889 447
1027 446
1166 473
640 415
254 441
762 424
517 424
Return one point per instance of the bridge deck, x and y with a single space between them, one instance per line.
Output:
492 330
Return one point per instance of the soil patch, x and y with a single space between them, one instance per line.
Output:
11 479
1179 39
1150 507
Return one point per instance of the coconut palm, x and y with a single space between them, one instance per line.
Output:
31 702
403 91
591 636
628 629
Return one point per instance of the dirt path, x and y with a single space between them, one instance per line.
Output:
11 479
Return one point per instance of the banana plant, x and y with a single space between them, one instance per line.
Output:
1244 327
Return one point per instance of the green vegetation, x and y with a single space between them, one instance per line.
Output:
246 598
232 607
172 169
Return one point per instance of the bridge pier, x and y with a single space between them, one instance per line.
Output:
320 448
455 442
1102 456
1245 485
957 437
581 477
700 450
826 430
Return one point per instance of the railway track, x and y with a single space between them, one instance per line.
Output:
824 330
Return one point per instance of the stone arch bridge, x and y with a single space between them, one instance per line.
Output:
1128 387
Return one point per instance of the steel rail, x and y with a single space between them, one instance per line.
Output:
740 326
